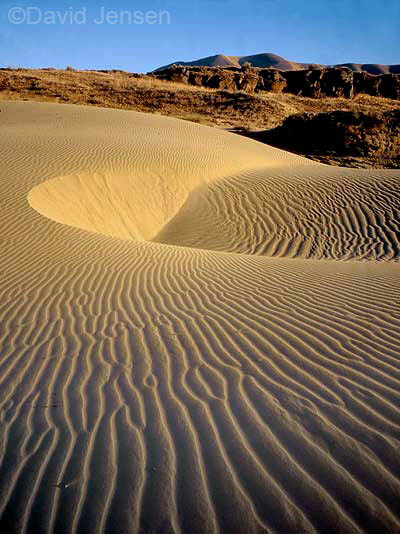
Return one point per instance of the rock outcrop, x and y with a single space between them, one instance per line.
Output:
366 83
314 82
271 80
317 83
232 79
390 86
339 133
386 85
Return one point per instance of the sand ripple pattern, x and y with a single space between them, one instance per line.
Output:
150 388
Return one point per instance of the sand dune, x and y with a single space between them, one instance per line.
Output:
160 371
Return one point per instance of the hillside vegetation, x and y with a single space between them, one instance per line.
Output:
238 111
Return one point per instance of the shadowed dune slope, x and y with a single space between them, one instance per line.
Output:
201 387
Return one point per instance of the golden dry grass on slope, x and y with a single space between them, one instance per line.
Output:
122 90
241 112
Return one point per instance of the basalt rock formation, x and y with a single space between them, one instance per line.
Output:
313 82
317 83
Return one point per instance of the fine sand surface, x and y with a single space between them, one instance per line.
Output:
183 347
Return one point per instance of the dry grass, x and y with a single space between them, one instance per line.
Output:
140 92
123 90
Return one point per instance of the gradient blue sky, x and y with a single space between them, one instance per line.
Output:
320 31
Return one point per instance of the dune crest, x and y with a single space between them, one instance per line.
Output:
151 388
316 213
137 201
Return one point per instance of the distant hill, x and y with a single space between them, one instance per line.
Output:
372 68
257 60
273 60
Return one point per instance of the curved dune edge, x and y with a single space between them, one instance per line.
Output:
171 160
157 388
284 207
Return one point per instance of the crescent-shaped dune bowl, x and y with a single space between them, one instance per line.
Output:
184 348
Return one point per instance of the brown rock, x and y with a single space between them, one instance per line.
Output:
365 83
227 84
195 78
337 82
390 86
271 80
304 82
249 82
314 83
180 74
219 79
317 83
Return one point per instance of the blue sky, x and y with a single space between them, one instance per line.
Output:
320 31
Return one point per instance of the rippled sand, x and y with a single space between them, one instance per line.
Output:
183 348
